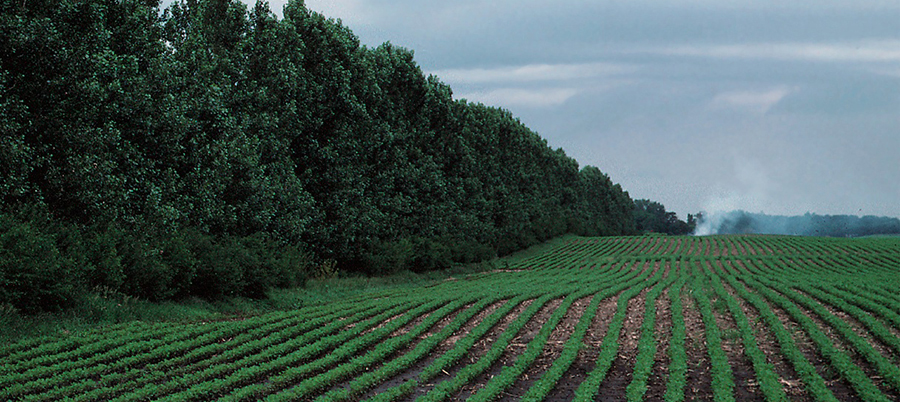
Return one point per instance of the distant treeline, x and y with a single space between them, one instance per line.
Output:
803 225
652 217
211 150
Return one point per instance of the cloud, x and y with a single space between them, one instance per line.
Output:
533 85
505 97
755 101
885 50
531 73
354 11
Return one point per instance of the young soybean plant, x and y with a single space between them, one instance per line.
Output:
722 377
647 346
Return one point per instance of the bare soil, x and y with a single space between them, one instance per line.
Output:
620 374
512 351
656 384
699 369
477 351
443 347
837 385
857 359
861 330
551 351
787 376
587 356
746 388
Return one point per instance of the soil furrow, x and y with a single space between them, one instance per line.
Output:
476 352
837 385
512 351
443 347
854 355
787 376
551 350
699 371
620 374
587 356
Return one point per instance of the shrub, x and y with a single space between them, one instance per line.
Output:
33 275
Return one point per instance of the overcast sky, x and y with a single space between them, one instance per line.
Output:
768 106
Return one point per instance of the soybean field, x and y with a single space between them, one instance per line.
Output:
724 318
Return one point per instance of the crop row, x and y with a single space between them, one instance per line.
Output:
835 293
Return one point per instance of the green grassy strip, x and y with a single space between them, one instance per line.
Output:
864 298
589 278
850 303
62 373
460 348
813 382
219 359
509 374
306 388
240 362
79 347
543 386
370 378
19 353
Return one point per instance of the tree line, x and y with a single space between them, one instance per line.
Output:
652 217
808 224
210 149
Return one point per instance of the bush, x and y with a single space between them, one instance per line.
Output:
147 275
33 275
44 264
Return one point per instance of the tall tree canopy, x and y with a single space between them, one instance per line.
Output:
210 149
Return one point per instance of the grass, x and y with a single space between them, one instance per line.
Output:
103 307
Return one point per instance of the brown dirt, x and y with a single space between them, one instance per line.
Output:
620 374
788 377
699 369
512 351
437 327
838 386
715 249
410 325
587 356
656 384
671 246
857 359
743 249
477 351
746 387
443 347
373 328
860 330
551 351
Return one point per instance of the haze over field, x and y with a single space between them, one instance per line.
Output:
701 105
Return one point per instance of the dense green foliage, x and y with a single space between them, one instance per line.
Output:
752 317
210 150
652 217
